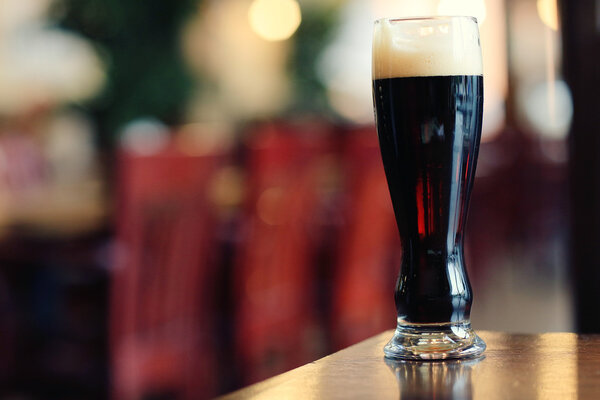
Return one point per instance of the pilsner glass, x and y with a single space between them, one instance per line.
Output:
428 100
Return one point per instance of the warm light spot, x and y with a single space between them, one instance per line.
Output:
474 8
548 12
226 189
274 19
201 138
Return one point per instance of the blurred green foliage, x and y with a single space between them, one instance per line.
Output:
313 35
147 76
139 41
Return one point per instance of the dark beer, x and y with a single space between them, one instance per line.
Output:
429 129
428 96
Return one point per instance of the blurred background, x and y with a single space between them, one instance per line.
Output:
192 197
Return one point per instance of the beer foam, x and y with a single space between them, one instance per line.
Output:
442 46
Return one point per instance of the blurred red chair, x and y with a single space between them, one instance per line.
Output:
276 323
369 246
162 283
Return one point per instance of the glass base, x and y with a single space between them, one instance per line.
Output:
434 342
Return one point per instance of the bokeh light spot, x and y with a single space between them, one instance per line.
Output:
274 20
548 12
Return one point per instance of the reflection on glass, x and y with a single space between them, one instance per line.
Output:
434 380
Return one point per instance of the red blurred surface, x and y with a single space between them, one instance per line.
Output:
162 287
275 272
369 246
314 258
305 258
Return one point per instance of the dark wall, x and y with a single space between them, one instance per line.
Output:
581 43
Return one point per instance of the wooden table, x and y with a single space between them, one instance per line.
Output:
544 366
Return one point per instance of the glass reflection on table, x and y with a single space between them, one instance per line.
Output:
449 379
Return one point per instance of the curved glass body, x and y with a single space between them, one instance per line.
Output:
428 98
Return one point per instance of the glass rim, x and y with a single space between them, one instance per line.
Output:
427 18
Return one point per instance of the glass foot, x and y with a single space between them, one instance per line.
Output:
434 342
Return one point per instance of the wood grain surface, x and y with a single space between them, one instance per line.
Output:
514 366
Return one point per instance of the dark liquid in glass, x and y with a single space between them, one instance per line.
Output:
429 130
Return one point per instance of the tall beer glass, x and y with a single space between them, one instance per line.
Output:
428 98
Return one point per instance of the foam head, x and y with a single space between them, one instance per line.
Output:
440 46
